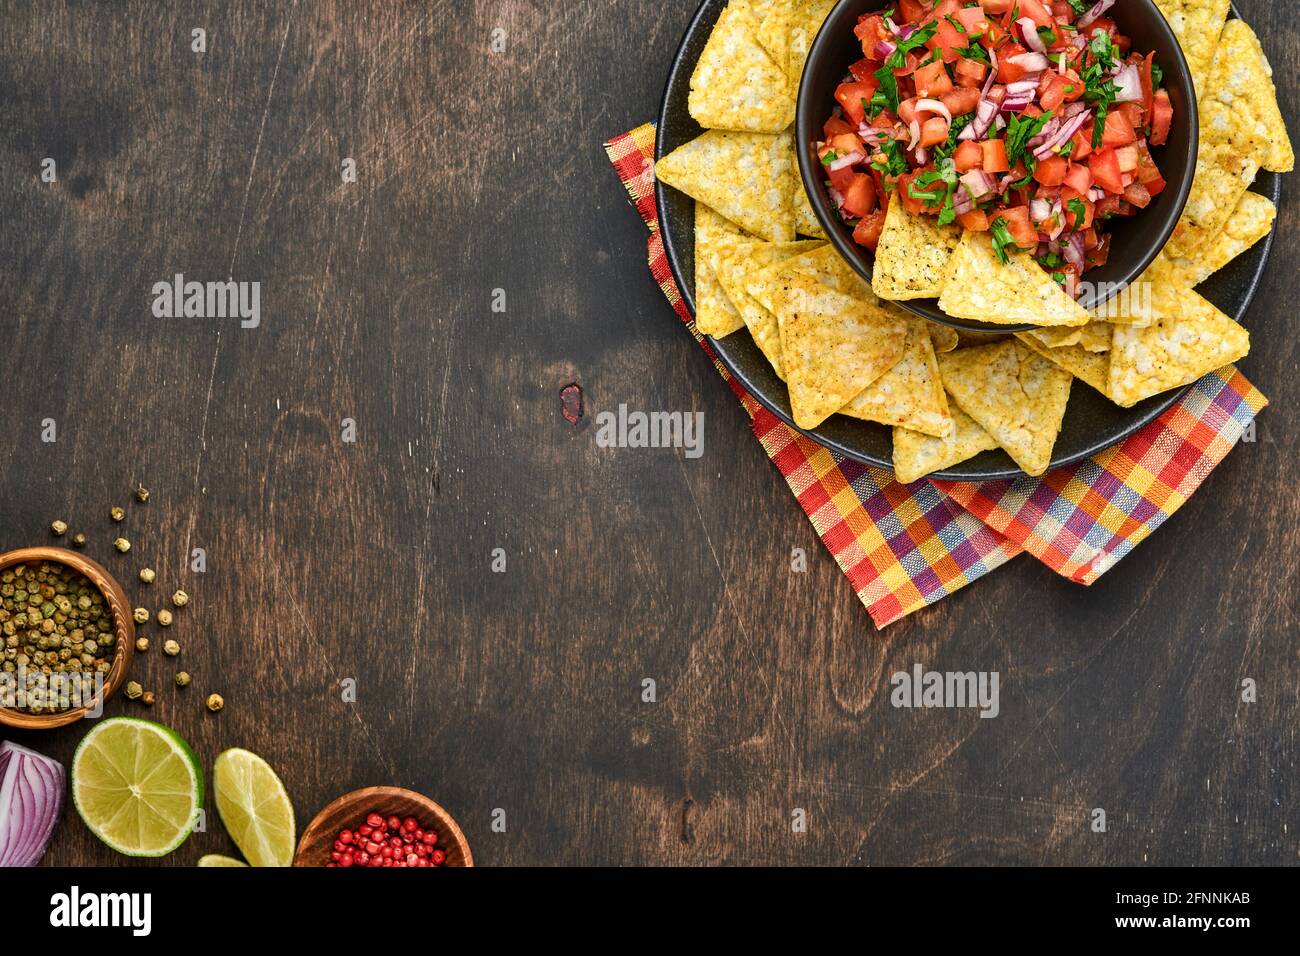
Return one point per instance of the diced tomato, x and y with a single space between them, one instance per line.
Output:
1162 117
934 131
932 80
1009 72
1148 84
1156 186
842 178
1057 88
1098 254
835 127
970 72
995 156
907 110
867 232
1041 16
846 144
996 7
968 156
912 204
1128 159
947 40
961 100
1071 220
870 29
1062 12
852 98
1019 225
1109 206
1133 113
864 70
1079 178
1051 171
1082 141
1105 170
1118 130
977 220
1138 195
912 10
974 20
860 197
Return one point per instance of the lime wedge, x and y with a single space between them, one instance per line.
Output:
137 785
216 859
255 808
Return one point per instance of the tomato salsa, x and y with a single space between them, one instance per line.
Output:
1031 120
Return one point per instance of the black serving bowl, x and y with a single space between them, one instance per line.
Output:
1135 241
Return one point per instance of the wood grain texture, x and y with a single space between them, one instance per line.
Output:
521 691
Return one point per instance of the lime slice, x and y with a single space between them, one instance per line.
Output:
137 785
255 808
216 859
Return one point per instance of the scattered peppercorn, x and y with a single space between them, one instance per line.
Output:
117 514
134 690
141 493
142 644
165 618
215 702
171 648
391 842
60 528
180 599
147 575
141 615
182 679
122 545
147 698
78 540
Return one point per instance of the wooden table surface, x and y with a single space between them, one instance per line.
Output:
517 696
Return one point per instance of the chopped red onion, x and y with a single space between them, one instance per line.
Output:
1062 135
849 160
907 29
837 197
1039 210
883 49
961 203
1097 10
1013 104
1028 85
1029 30
977 183
915 129
1096 195
1129 83
1073 250
1031 62
922 156
32 789
934 106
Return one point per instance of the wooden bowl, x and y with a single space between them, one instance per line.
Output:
350 811
123 628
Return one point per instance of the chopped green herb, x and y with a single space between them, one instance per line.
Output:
1020 131
830 157
1002 239
1080 7
974 52
957 24
1047 35
959 123
895 163
1157 76
1053 260
1058 278
886 97
1080 211
1065 151
1031 164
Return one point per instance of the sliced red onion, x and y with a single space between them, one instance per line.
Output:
1078 42
922 155
1059 213
977 183
1020 87
1070 110
32 789
1014 104
915 129
883 49
1062 135
891 26
907 29
1039 210
1041 250
1031 62
1073 250
985 112
1096 195
934 106
999 123
849 160
837 197
1129 83
961 203
1097 10
1029 30
1054 246
1060 63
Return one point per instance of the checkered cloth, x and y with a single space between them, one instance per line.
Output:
904 547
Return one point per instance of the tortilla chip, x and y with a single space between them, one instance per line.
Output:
822 263
1093 337
966 339
714 313
809 15
910 394
1189 338
1015 395
1135 305
917 455
1197 25
1223 174
774 34
1090 367
1241 80
944 337
736 85
978 286
805 220
739 175
833 346
911 255
1250 222
733 267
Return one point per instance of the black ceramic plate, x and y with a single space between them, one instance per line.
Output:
1092 422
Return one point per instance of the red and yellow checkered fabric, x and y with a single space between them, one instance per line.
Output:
904 547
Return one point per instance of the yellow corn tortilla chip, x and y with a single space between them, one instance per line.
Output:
733 267
966 339
1197 25
805 220
822 263
774 34
911 393
833 346
737 174
1015 395
809 15
1093 337
1135 305
917 455
978 286
1224 172
912 255
714 313
1241 81
944 337
1189 339
1250 222
1092 368
736 85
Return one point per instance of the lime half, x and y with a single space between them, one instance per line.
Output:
216 859
137 785
255 808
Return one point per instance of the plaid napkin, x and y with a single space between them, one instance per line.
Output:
904 547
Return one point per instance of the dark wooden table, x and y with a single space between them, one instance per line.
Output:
521 691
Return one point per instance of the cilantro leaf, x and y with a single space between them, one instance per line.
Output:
830 157
895 163
1002 239
1020 131
1080 211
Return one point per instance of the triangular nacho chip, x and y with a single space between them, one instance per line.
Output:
1223 174
736 85
1092 368
944 337
739 176
805 220
911 393
1093 337
1250 222
1190 338
1197 24
774 34
822 263
833 346
1241 80
978 286
714 313
917 455
733 267
1016 395
912 255
809 15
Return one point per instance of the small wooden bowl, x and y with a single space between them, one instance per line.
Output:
123 632
350 811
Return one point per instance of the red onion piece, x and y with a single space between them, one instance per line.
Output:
1073 251
961 203
1039 210
32 790
1013 104
1097 10
1031 62
849 160
1029 30
915 129
1129 83
934 106
1062 135
907 29
1020 87
977 183
922 156
883 49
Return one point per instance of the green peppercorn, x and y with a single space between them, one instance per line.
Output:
78 540
180 599
147 575
182 679
171 648
165 618
147 698
141 615
141 493
133 690
60 528
142 644
215 702
122 545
